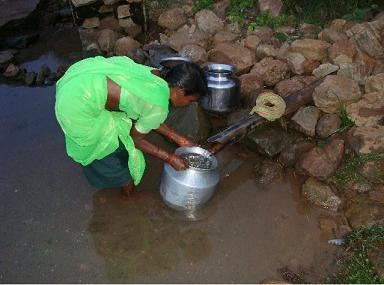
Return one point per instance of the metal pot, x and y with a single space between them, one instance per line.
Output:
223 88
191 188
169 62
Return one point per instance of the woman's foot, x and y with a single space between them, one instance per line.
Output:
127 189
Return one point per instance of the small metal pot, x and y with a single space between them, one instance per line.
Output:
223 88
169 62
191 188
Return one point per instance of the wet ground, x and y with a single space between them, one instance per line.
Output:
56 228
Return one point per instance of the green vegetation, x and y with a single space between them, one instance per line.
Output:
202 4
237 9
356 267
346 122
282 37
349 172
267 19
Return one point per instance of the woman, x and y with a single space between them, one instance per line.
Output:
106 106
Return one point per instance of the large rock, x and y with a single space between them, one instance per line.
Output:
366 140
125 45
335 91
368 111
341 25
88 37
328 125
373 171
229 53
249 83
225 36
12 70
221 7
272 70
172 19
130 27
286 87
89 23
269 141
322 162
311 49
332 36
305 120
377 194
364 212
5 57
291 154
263 51
296 62
124 11
274 6
107 40
268 172
368 39
345 47
188 36
11 10
375 84
79 3
196 53
190 121
110 22
264 33
325 69
320 194
252 42
208 22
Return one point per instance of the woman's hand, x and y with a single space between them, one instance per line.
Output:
177 162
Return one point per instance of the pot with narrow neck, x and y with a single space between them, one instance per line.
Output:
223 88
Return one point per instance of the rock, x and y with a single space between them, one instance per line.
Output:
272 70
107 40
11 71
111 23
367 38
268 172
306 28
190 121
286 87
287 30
237 115
233 27
368 111
376 258
20 42
269 141
332 36
111 2
123 11
375 84
172 19
188 36
252 42
249 83
5 57
320 194
241 57
104 9
335 91
208 22
290 155
272 281
310 65
196 53
341 25
125 45
30 78
334 226
78 3
305 120
311 49
373 171
130 27
345 48
158 52
274 6
322 162
264 33
364 212
366 140
328 125
263 51
221 7
361 186
377 194
325 69
91 23
44 72
296 62
139 56
225 36
11 10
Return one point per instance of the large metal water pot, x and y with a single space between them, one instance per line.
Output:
191 188
223 88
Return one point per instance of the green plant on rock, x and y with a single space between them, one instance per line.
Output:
267 19
237 9
202 4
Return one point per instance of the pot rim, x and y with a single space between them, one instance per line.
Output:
201 151
220 68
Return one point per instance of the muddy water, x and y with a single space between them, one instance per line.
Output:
56 228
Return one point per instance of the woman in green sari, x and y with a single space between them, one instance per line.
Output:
106 106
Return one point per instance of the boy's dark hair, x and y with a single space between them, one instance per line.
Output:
189 77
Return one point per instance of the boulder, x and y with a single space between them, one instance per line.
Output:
30 78
104 9
271 70
307 28
79 3
291 154
225 36
320 194
335 91
264 33
373 171
111 2
196 53
305 120
241 57
322 162
375 84
344 47
286 87
44 72
364 212
188 36
107 40
190 121
252 42
125 45
341 25
263 51
311 49
172 19
12 70
5 57
250 82
11 10
158 52
110 22
296 62
377 194
268 172
332 36
139 56
274 6
368 111
310 65
221 7
90 23
366 140
124 11
325 69
131 28
208 22
327 125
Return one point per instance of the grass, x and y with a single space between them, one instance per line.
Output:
356 267
267 19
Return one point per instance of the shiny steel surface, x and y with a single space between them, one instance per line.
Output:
169 62
191 188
